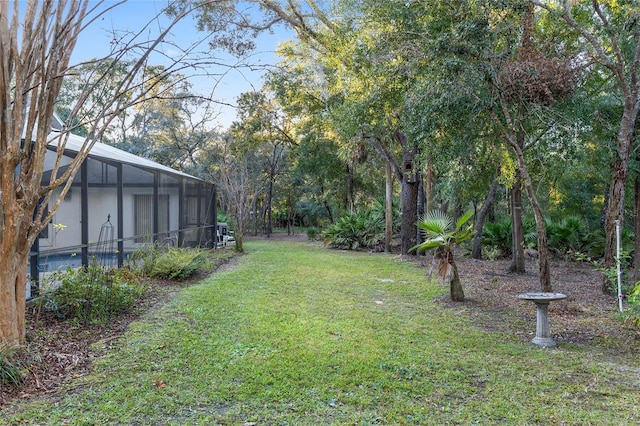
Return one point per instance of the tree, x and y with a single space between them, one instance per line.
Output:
304 86
262 128
36 45
321 162
443 235
239 185
169 127
476 251
514 72
608 33
172 127
335 43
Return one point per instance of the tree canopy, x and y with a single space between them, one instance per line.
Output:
423 104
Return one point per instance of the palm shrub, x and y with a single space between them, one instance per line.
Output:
312 233
348 232
529 233
497 235
571 234
361 229
443 235
633 300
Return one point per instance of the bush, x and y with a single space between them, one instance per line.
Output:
363 229
312 233
179 264
570 235
633 300
496 236
145 258
10 373
89 294
348 232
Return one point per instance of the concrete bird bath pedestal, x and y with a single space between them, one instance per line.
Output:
542 300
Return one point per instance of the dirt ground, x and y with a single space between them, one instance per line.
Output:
59 351
586 317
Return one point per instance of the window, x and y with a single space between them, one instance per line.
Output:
143 217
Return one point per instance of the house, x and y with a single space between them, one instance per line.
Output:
118 202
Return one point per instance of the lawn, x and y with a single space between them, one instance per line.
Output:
296 334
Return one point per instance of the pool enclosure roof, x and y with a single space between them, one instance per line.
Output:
110 154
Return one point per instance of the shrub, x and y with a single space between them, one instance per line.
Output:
10 373
571 234
633 300
491 253
89 294
179 264
497 236
145 257
347 232
529 233
312 233
362 229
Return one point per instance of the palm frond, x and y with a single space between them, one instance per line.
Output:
429 244
435 222
439 230
464 219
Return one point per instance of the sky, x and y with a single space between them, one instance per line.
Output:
94 42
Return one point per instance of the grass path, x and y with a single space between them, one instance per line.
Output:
299 335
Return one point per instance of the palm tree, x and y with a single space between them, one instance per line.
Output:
441 234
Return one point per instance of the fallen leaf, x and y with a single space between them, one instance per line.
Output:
159 383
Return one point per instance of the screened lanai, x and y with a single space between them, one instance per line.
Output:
117 203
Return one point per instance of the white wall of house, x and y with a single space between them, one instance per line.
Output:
102 202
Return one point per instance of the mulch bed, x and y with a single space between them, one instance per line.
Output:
59 351
586 317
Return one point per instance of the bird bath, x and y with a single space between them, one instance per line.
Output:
542 300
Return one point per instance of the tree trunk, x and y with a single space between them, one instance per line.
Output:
420 212
614 212
388 210
408 226
476 252
350 189
239 243
269 214
543 249
457 293
408 179
636 228
409 195
13 269
429 183
517 237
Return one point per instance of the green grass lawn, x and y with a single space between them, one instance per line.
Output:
297 334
